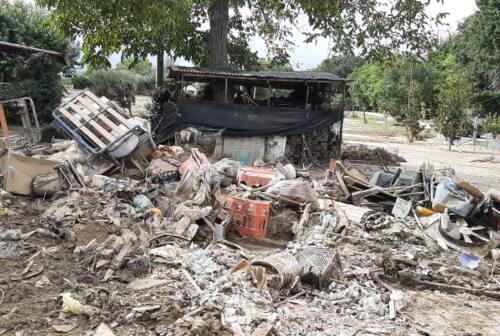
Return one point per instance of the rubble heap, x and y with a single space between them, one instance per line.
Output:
166 242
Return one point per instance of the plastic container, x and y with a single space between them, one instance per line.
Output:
421 211
255 176
249 217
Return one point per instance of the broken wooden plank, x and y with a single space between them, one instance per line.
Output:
72 118
110 109
342 184
101 116
85 114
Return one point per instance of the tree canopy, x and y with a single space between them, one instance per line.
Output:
34 75
216 33
476 46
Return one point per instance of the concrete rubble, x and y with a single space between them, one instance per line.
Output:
167 242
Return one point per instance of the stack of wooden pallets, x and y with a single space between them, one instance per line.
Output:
94 123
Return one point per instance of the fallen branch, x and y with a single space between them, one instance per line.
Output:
408 280
191 280
290 298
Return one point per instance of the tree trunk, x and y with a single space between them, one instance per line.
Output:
217 44
219 30
160 63
450 143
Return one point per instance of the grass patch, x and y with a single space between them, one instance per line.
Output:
374 126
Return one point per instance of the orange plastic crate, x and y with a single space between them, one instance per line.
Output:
255 176
249 217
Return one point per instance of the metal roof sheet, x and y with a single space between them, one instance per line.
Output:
12 48
258 75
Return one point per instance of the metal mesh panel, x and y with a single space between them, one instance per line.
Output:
319 265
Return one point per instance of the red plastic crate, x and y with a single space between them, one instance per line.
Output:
249 217
255 176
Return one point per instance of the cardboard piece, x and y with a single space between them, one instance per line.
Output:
19 170
158 166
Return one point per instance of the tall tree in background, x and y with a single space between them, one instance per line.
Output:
140 27
476 46
454 90
364 87
342 66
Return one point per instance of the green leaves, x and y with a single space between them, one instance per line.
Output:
34 75
140 27
454 91
476 47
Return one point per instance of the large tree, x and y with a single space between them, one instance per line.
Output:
454 90
215 33
476 46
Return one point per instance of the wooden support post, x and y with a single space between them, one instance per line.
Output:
225 90
269 95
254 92
5 127
307 95
182 86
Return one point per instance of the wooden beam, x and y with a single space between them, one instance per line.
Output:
269 95
5 127
225 90
307 95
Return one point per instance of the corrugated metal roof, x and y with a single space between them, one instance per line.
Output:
12 48
259 75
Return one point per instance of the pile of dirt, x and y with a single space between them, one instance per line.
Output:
378 155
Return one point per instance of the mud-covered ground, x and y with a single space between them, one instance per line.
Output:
230 303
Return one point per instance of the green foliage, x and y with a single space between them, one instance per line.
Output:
138 73
404 89
180 27
272 64
81 81
341 66
118 85
33 75
143 71
491 124
476 47
454 89
139 65
364 87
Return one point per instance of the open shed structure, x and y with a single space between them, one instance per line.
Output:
249 107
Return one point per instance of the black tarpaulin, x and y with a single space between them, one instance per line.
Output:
242 120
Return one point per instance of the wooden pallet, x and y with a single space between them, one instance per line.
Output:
96 122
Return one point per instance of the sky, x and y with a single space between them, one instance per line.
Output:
309 55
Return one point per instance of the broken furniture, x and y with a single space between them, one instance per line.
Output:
30 125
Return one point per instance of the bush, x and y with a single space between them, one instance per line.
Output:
118 85
81 82
146 84
33 75
492 125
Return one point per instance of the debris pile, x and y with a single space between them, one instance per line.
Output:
164 241
378 155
